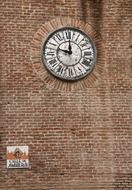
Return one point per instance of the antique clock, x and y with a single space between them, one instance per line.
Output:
68 53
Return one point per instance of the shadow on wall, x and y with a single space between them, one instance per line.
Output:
93 10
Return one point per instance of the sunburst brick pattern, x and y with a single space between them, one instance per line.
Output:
49 80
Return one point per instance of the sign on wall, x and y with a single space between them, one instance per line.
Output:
17 157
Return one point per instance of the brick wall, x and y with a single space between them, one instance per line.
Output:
79 139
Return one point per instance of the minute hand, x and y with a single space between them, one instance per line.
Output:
69 47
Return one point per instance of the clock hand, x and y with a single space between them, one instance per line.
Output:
66 51
69 47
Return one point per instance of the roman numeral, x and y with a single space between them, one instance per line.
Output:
68 34
86 64
61 70
55 66
79 69
60 38
51 43
55 40
73 35
87 53
51 53
77 37
71 72
84 44
52 61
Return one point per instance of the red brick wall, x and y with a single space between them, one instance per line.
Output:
78 139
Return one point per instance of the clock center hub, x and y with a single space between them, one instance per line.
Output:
69 57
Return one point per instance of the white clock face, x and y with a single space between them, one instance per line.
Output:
68 53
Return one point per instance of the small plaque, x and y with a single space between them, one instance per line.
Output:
17 157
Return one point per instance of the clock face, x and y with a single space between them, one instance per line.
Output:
68 53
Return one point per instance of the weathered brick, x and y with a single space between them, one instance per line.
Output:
79 134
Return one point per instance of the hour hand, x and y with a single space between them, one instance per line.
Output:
64 50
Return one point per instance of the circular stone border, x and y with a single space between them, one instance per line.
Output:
49 80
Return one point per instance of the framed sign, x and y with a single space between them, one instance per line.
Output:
17 157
